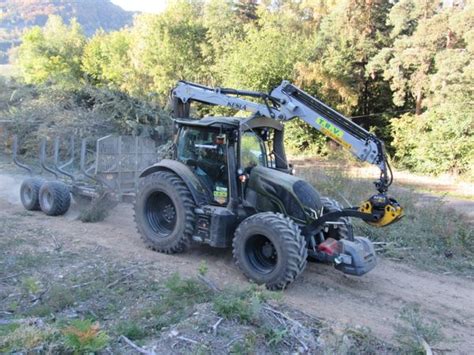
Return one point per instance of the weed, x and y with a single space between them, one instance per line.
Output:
274 337
30 285
203 268
131 330
6 329
56 299
85 336
241 306
26 337
414 332
188 290
177 299
245 346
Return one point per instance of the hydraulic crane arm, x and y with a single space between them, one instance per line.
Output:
287 102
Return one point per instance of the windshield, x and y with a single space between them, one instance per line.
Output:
252 151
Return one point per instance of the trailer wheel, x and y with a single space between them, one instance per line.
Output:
29 193
340 231
270 250
164 212
54 198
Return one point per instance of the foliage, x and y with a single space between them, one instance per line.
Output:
106 58
432 66
84 336
53 53
378 61
44 111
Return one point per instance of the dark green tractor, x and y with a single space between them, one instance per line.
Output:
228 184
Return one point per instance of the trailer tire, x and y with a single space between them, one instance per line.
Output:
164 212
54 198
269 249
343 231
29 193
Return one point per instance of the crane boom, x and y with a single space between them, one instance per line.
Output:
287 102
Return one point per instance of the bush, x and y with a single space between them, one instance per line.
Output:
438 141
84 336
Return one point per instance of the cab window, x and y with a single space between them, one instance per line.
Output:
205 151
252 151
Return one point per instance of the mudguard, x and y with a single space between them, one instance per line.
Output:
197 189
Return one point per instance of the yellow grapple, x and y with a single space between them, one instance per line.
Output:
386 208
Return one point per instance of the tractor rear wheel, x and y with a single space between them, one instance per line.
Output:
164 212
54 198
29 193
269 249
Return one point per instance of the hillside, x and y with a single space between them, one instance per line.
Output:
17 15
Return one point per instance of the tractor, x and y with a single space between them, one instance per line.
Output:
227 183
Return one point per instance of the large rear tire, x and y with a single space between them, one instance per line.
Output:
270 250
54 198
164 212
29 193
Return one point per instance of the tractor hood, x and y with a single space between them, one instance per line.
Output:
273 190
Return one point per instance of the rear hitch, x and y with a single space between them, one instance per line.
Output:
353 257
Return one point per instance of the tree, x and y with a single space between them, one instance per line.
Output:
106 60
53 53
440 55
169 46
418 32
348 38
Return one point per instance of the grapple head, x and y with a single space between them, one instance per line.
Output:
386 208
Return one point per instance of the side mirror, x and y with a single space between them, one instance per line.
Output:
291 169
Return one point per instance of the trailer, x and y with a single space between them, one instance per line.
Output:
105 168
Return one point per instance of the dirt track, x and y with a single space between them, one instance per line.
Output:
373 300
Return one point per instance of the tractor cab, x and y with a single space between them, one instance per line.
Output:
222 152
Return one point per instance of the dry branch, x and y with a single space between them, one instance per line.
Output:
136 347
214 327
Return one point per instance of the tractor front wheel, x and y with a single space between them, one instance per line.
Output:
269 249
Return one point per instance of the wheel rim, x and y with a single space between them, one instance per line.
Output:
47 200
28 194
261 254
160 214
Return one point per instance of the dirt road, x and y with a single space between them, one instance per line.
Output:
374 300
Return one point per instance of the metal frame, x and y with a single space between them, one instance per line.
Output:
116 166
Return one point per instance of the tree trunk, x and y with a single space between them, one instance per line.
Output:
419 102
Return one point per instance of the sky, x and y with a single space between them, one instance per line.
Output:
153 6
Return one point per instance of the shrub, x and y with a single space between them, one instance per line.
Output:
85 336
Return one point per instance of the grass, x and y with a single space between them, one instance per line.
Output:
27 337
430 235
414 333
